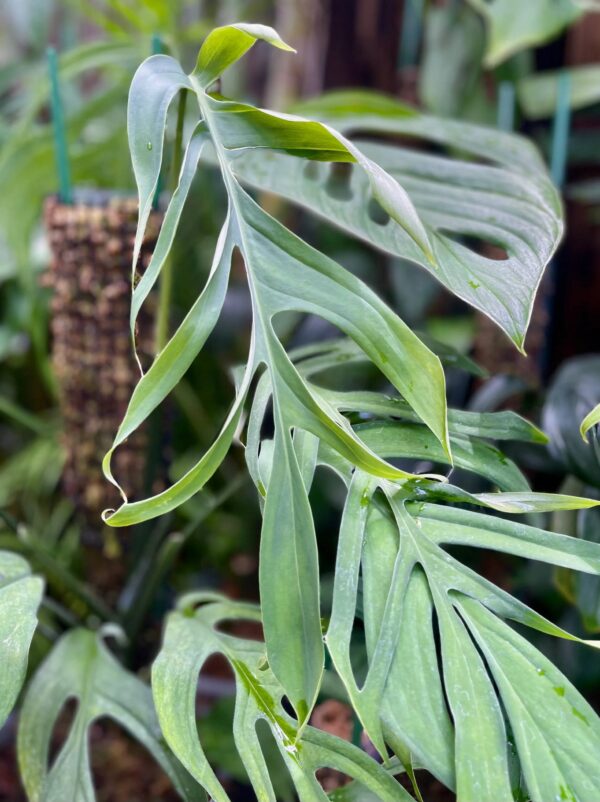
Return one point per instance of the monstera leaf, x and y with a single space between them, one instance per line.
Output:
396 546
391 547
449 685
81 667
193 633
285 274
20 597
509 201
513 25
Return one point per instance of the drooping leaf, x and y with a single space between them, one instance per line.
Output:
20 597
387 546
556 731
81 667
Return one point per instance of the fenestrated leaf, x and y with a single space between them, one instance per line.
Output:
510 203
513 25
556 731
482 770
191 636
20 597
414 441
81 667
284 274
454 526
471 753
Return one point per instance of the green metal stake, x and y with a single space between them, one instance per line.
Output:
561 130
58 125
506 106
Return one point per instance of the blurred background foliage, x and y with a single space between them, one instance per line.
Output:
532 67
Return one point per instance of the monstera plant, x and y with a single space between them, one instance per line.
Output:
432 656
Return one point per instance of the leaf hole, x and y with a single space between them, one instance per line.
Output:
62 727
118 760
481 245
377 213
338 182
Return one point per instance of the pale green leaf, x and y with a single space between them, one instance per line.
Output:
81 667
509 203
289 580
557 733
20 597
191 636
513 25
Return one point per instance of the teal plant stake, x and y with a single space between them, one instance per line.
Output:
561 128
506 106
58 125
558 168
410 37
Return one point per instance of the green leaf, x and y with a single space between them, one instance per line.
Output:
81 667
289 580
453 526
556 732
538 93
20 597
192 634
400 558
450 70
153 88
510 203
591 419
226 45
414 441
514 26
284 274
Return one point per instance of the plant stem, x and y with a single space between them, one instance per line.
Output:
166 276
